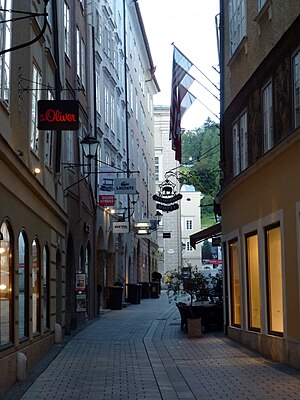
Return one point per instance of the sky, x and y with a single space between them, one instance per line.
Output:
190 25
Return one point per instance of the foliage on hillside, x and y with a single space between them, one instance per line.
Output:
201 159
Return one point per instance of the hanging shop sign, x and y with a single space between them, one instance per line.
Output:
58 115
106 200
167 197
125 186
120 227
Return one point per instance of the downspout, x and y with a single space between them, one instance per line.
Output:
57 83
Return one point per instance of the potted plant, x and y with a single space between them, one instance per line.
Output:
198 294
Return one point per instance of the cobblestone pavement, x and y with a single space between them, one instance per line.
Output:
140 353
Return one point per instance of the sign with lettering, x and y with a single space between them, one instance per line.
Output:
120 227
106 200
125 186
58 115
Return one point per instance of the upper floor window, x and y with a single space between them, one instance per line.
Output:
296 88
67 29
5 43
261 4
49 141
35 97
157 168
189 224
267 109
237 22
240 145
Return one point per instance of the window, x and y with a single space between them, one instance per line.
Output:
36 289
49 141
274 279
35 97
235 283
67 30
296 72
261 4
98 90
78 53
82 63
267 108
106 105
112 113
189 224
23 286
240 145
69 135
5 43
6 297
237 22
253 282
46 286
189 246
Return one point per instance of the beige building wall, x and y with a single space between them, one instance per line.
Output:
266 193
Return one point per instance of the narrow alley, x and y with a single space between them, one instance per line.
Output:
140 353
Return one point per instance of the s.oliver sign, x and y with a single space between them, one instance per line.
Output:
58 115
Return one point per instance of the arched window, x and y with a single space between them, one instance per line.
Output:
36 287
23 286
46 285
6 279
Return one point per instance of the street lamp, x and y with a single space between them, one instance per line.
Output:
89 146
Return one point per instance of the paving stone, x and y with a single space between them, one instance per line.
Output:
141 353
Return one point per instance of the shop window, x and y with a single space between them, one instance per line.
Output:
23 286
6 278
235 283
36 287
274 280
46 285
253 285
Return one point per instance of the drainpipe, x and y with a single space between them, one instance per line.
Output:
57 83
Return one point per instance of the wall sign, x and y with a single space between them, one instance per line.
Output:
58 115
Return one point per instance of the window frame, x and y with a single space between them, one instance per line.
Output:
235 305
5 229
240 144
5 59
237 23
267 116
268 281
249 275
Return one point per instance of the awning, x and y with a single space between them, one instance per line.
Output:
207 233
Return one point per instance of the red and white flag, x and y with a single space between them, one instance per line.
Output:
181 98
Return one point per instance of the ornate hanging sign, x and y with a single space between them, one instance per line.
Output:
167 196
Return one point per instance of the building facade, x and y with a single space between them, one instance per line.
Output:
259 155
58 249
166 167
190 224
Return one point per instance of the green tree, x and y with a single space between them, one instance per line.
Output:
202 145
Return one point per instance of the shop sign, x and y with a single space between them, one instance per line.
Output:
106 200
125 186
58 115
120 227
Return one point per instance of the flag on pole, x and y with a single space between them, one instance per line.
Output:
181 98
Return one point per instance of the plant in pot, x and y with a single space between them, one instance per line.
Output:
198 294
